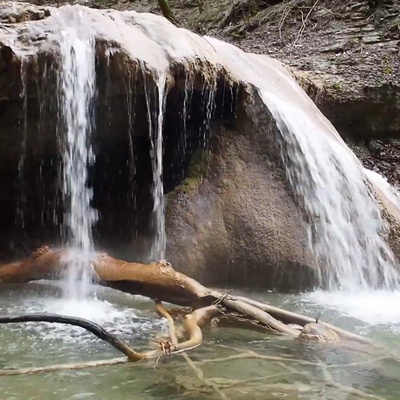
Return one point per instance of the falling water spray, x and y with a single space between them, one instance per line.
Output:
160 242
20 220
77 89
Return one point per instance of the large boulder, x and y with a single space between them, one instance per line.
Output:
234 220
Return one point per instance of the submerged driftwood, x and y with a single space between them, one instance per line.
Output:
161 282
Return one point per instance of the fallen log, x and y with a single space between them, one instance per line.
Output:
298 319
43 263
156 280
261 316
160 282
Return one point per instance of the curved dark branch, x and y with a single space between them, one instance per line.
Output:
92 327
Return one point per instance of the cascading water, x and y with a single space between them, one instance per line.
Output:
156 139
392 194
327 179
345 222
131 103
20 220
208 93
77 88
186 105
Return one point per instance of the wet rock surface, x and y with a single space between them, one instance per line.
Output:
346 55
238 224
318 332
352 47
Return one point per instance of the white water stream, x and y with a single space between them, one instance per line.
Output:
20 217
389 191
160 241
345 222
77 93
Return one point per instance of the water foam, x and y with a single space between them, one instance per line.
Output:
118 319
382 183
371 306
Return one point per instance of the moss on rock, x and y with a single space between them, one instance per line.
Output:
197 171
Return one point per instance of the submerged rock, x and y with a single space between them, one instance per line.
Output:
318 332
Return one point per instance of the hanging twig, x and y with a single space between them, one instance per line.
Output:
304 21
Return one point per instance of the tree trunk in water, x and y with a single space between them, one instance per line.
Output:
161 282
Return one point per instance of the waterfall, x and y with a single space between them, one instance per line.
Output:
327 180
156 140
391 193
131 103
344 220
77 90
20 220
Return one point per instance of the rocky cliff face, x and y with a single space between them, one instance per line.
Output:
346 55
351 47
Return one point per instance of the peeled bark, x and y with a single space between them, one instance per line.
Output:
42 264
156 280
161 282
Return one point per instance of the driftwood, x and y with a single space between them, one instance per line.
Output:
191 328
96 329
160 282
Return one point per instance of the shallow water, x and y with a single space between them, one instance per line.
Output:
306 371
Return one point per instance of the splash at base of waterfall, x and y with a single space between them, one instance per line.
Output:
102 306
370 306
78 283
